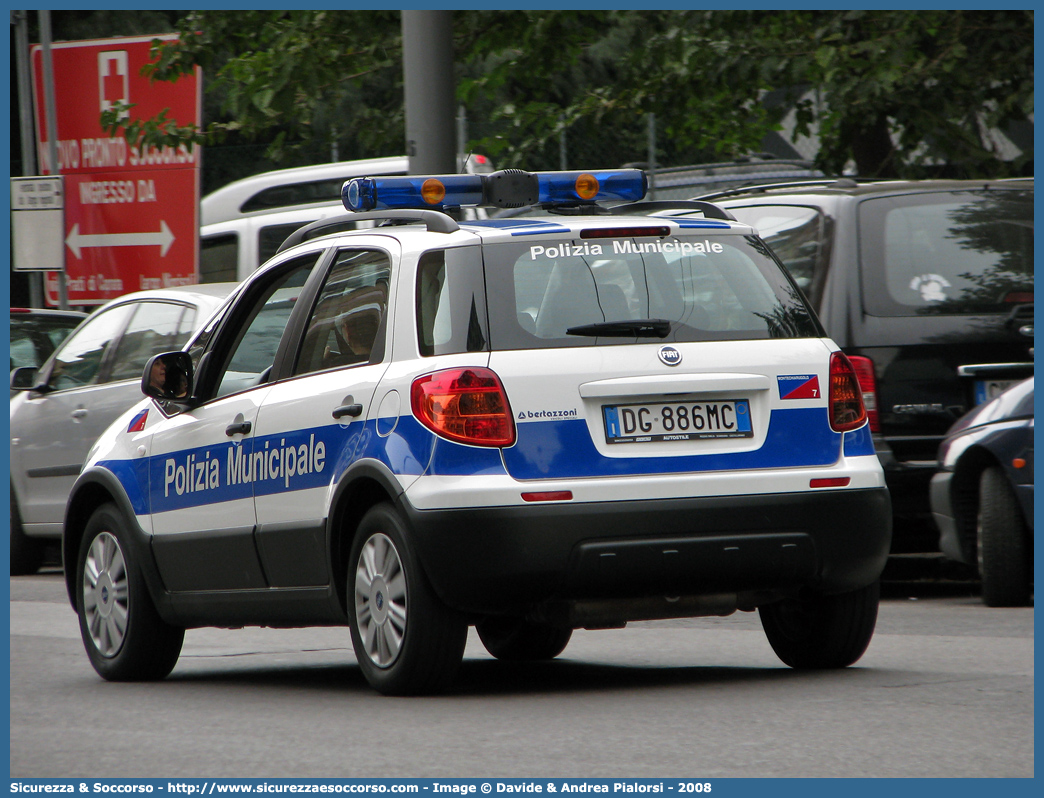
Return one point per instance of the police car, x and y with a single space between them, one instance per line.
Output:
527 425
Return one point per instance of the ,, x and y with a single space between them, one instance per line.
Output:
528 426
